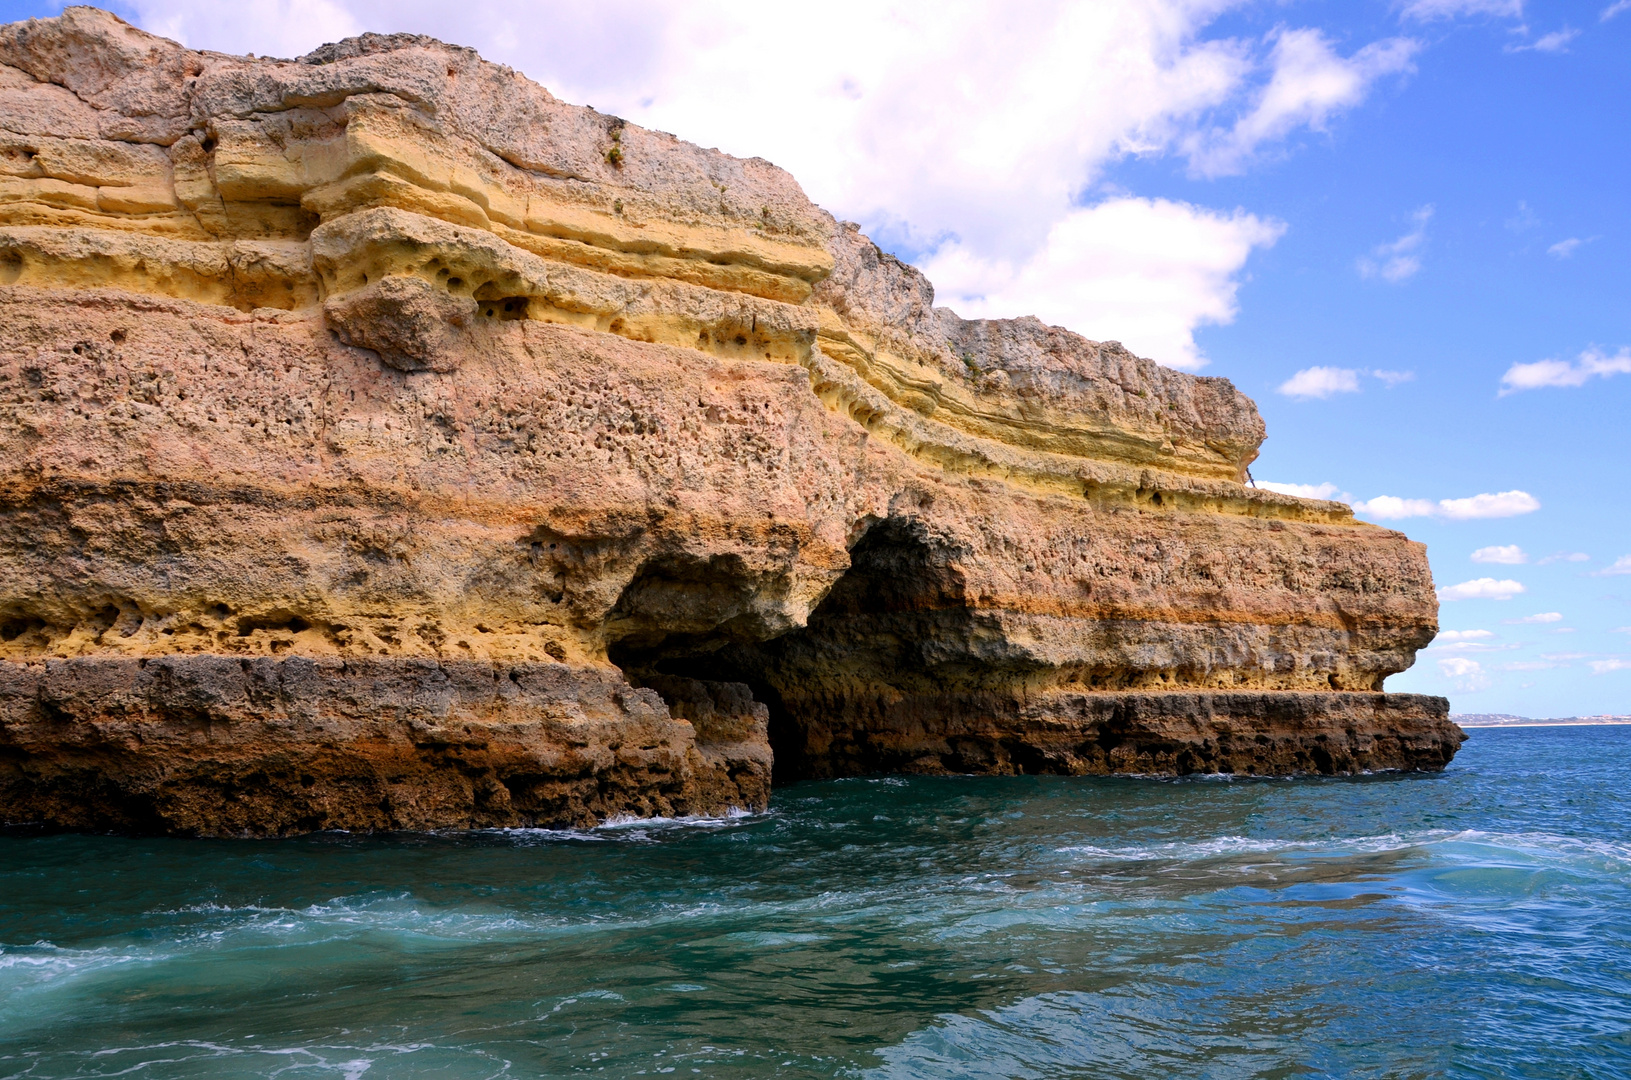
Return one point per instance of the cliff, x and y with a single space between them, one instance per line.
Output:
385 443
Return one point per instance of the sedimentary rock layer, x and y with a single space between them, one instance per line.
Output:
339 396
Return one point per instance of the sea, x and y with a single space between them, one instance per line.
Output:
1474 923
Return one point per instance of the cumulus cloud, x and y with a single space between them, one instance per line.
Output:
1321 382
1592 364
1450 636
1543 617
272 27
1499 505
1310 83
1504 504
1466 675
1483 588
1401 259
1622 565
1427 10
1393 508
1326 490
1146 272
1506 555
1324 382
961 135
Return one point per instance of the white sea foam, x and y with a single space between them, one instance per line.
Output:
25 967
342 1061
629 827
1531 845
1224 846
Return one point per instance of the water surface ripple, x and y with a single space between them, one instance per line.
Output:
1473 924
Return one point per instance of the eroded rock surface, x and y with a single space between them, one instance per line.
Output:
385 443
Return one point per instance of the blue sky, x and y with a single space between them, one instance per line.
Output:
1516 152
1368 215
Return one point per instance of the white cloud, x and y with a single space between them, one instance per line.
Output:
1467 675
1556 41
1615 9
1451 636
1622 630
1426 10
1503 504
1593 363
1393 508
1622 565
1506 555
1326 490
1529 665
1483 588
1401 259
1543 617
1146 272
270 28
961 134
1564 248
1564 556
1321 382
1310 82
1603 667
1468 641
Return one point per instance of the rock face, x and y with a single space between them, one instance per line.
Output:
385 443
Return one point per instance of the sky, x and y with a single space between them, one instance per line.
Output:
1403 228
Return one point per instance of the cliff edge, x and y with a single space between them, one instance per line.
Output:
385 443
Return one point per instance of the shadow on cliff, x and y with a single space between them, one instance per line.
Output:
896 622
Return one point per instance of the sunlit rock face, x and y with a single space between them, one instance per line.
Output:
385 443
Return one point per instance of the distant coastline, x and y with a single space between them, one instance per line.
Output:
1494 720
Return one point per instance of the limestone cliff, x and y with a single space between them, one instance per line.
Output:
386 443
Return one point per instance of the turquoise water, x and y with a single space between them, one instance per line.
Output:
1474 924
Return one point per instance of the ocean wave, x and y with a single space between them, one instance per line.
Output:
628 827
1545 845
1527 845
29 967
193 1057
1224 846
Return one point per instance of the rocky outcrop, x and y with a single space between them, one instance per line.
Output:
385 443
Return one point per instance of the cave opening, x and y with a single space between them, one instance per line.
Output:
890 625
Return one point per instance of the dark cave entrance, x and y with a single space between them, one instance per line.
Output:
881 630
